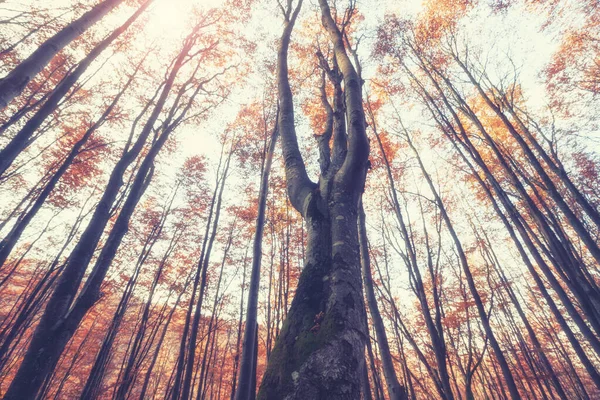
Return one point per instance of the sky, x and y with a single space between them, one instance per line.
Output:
168 21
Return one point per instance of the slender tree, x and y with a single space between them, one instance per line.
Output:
27 134
13 84
244 391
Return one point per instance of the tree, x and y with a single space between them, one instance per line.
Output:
248 360
394 389
320 348
13 84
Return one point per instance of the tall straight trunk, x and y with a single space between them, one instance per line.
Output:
208 367
395 390
366 387
546 364
31 102
24 203
400 325
26 135
575 343
44 393
25 308
519 224
49 347
24 315
378 387
58 322
555 165
236 358
269 321
93 384
243 388
222 367
186 384
252 395
13 84
10 240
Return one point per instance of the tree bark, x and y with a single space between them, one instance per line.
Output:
319 353
13 84
244 391
395 390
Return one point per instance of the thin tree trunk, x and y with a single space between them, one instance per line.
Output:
243 388
236 359
395 390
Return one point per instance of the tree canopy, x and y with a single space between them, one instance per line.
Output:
299 199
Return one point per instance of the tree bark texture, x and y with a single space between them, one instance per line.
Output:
319 353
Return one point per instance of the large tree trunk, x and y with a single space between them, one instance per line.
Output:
319 353
13 84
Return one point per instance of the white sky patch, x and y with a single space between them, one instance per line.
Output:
169 19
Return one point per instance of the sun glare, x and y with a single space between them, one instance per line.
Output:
171 19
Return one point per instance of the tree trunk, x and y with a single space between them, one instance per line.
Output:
319 353
26 135
244 384
395 390
13 84
236 359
